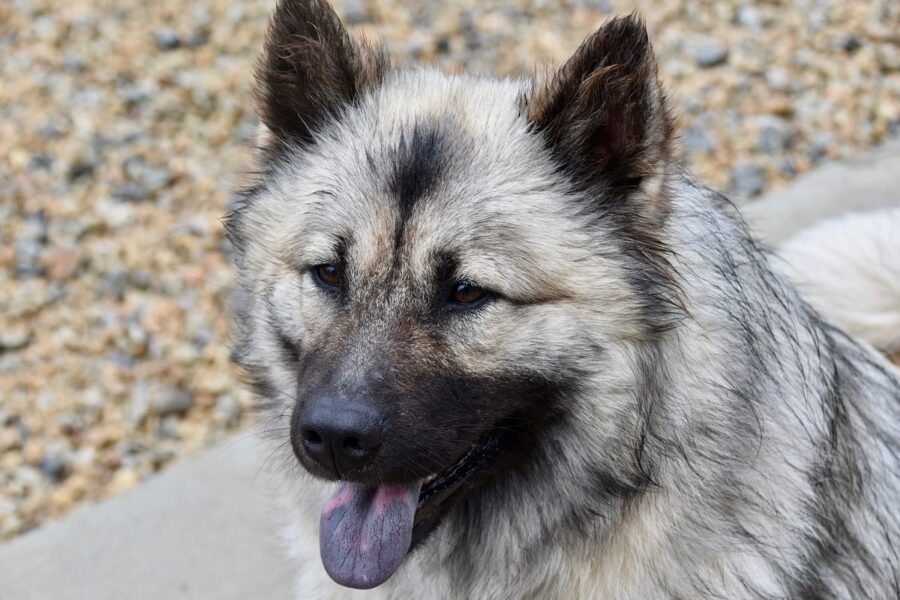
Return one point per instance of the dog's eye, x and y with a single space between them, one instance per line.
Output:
467 295
327 276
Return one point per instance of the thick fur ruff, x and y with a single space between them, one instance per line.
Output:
701 433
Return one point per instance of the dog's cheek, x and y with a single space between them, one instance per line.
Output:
545 340
302 310
285 324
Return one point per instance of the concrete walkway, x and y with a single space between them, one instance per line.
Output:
205 529
201 530
868 182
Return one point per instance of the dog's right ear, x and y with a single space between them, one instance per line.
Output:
604 113
310 69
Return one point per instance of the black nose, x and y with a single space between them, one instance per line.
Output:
339 438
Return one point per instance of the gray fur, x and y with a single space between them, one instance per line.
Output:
746 449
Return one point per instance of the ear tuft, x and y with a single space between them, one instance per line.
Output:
604 113
310 69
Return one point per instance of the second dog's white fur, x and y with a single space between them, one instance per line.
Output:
848 269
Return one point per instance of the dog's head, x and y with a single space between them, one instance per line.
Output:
434 264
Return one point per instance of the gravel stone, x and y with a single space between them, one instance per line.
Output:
170 400
788 167
15 339
81 168
820 145
53 468
166 39
114 284
355 12
778 79
28 254
30 244
169 429
849 43
709 53
40 162
132 192
52 129
748 179
601 6
133 93
696 139
146 177
140 403
227 409
198 38
247 130
773 134
442 46
10 439
747 16
36 227
74 64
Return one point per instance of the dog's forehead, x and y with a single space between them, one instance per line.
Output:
442 147
438 166
424 134
472 103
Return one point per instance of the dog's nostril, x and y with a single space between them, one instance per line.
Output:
351 443
312 436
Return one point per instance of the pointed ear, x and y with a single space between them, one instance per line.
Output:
310 69
604 113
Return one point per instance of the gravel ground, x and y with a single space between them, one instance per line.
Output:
123 125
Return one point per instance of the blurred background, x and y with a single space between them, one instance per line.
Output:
124 127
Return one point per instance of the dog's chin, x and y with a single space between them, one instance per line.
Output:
367 530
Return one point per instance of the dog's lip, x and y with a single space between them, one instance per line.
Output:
440 488
458 472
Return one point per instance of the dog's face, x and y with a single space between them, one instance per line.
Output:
433 263
416 291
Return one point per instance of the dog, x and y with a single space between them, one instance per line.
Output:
510 349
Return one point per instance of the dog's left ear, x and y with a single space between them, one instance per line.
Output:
311 68
604 113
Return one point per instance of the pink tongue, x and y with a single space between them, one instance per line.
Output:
365 532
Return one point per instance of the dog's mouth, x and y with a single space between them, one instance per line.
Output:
366 531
